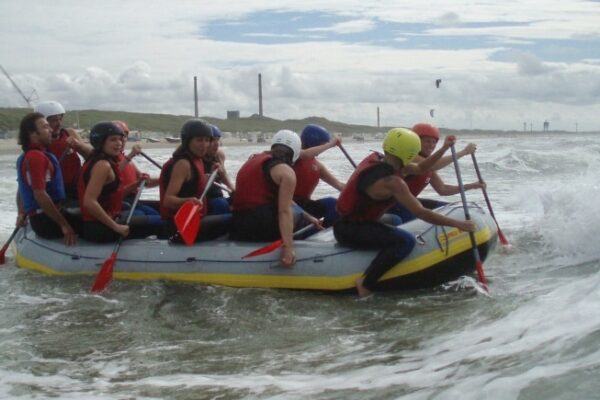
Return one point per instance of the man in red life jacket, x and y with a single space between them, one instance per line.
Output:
374 187
430 136
309 171
41 190
263 208
66 144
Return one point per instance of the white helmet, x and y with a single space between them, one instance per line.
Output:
49 108
290 139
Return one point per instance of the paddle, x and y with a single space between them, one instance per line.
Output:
275 245
478 263
501 236
347 155
188 218
147 157
64 154
3 250
106 272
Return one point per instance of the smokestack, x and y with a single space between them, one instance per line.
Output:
260 109
195 97
378 117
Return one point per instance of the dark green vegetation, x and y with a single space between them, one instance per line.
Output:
170 124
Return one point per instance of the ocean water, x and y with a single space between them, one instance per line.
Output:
537 335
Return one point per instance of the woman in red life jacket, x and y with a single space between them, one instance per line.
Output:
41 190
374 187
66 145
183 178
130 177
263 208
100 191
309 171
429 136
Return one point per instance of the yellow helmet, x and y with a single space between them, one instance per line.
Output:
403 144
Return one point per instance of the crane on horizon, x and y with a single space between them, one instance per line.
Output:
27 99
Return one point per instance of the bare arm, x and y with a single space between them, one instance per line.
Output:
77 144
220 156
181 172
284 177
49 208
396 187
328 177
21 215
316 150
444 189
447 160
428 163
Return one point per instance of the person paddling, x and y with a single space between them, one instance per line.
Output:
310 171
430 136
183 179
215 157
263 208
374 187
131 175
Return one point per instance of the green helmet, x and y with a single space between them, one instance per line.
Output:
403 144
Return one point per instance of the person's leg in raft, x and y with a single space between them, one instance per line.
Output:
395 244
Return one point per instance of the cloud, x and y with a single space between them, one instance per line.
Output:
449 18
341 59
347 27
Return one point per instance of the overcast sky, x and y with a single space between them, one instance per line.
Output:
502 63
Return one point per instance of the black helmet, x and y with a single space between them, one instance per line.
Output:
101 131
195 128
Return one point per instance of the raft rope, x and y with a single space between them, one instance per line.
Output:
451 207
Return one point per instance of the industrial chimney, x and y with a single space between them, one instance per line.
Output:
260 108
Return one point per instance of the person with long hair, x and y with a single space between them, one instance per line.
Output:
101 193
183 179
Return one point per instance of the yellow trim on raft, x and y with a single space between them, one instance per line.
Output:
458 244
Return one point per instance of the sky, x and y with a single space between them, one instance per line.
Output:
503 64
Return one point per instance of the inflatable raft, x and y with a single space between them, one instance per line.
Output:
442 254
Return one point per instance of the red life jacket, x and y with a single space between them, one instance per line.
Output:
252 189
70 163
358 206
128 173
307 178
191 188
416 183
111 196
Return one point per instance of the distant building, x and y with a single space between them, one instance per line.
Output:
234 114
546 126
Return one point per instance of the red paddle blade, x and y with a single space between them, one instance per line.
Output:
2 258
503 239
105 275
480 274
265 250
187 221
